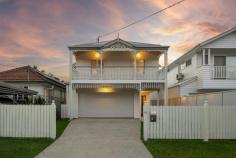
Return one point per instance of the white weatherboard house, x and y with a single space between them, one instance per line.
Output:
208 67
114 78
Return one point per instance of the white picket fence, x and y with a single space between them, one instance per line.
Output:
32 121
190 122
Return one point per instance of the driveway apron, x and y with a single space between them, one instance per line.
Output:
99 138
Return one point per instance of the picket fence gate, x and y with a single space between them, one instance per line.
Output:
31 121
189 122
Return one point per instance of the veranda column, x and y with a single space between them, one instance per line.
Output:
209 56
135 63
140 100
203 56
166 86
101 67
70 84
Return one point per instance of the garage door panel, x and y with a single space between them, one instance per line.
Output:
93 104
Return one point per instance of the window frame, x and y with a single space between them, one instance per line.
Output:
188 62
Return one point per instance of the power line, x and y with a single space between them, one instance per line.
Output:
139 20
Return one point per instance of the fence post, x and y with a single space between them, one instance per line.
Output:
206 122
146 119
53 120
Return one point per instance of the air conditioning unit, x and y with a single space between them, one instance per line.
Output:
179 76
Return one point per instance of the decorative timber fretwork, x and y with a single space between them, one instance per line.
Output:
118 44
102 85
144 85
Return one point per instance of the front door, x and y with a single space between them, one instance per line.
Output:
143 99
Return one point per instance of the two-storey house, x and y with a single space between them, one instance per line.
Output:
208 67
114 78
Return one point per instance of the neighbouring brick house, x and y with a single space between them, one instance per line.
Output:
48 87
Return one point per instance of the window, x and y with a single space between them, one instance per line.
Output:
94 66
206 59
140 66
188 62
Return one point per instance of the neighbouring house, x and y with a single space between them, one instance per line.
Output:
27 77
114 78
208 67
10 94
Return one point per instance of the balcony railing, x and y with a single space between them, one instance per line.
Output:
118 73
224 72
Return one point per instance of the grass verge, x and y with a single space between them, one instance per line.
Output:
190 148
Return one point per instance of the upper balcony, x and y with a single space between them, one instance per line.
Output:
118 73
118 60
218 69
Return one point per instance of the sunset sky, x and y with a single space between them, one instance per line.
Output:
37 32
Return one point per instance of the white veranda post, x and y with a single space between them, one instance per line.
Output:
70 84
166 86
209 56
135 65
101 64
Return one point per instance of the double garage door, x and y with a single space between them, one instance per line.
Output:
117 104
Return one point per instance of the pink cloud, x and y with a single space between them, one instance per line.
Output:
44 29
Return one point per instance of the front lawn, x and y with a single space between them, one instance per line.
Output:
30 147
192 148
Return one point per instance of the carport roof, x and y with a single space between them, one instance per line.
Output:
6 88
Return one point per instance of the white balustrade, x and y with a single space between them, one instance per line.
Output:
118 73
224 72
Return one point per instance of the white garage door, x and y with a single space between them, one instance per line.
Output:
94 104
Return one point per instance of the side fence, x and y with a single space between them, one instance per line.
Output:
224 98
64 111
32 121
189 122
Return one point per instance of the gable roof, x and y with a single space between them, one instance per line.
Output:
27 73
131 44
199 46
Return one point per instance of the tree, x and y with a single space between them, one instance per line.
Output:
35 67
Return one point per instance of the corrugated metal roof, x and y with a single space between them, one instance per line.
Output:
99 45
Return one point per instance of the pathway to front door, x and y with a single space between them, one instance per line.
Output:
99 138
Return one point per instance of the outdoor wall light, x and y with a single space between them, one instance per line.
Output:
96 55
105 90
138 55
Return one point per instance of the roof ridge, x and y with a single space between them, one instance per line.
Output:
9 70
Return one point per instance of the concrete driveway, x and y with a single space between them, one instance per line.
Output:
99 138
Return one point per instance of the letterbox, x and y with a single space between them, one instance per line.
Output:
153 116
